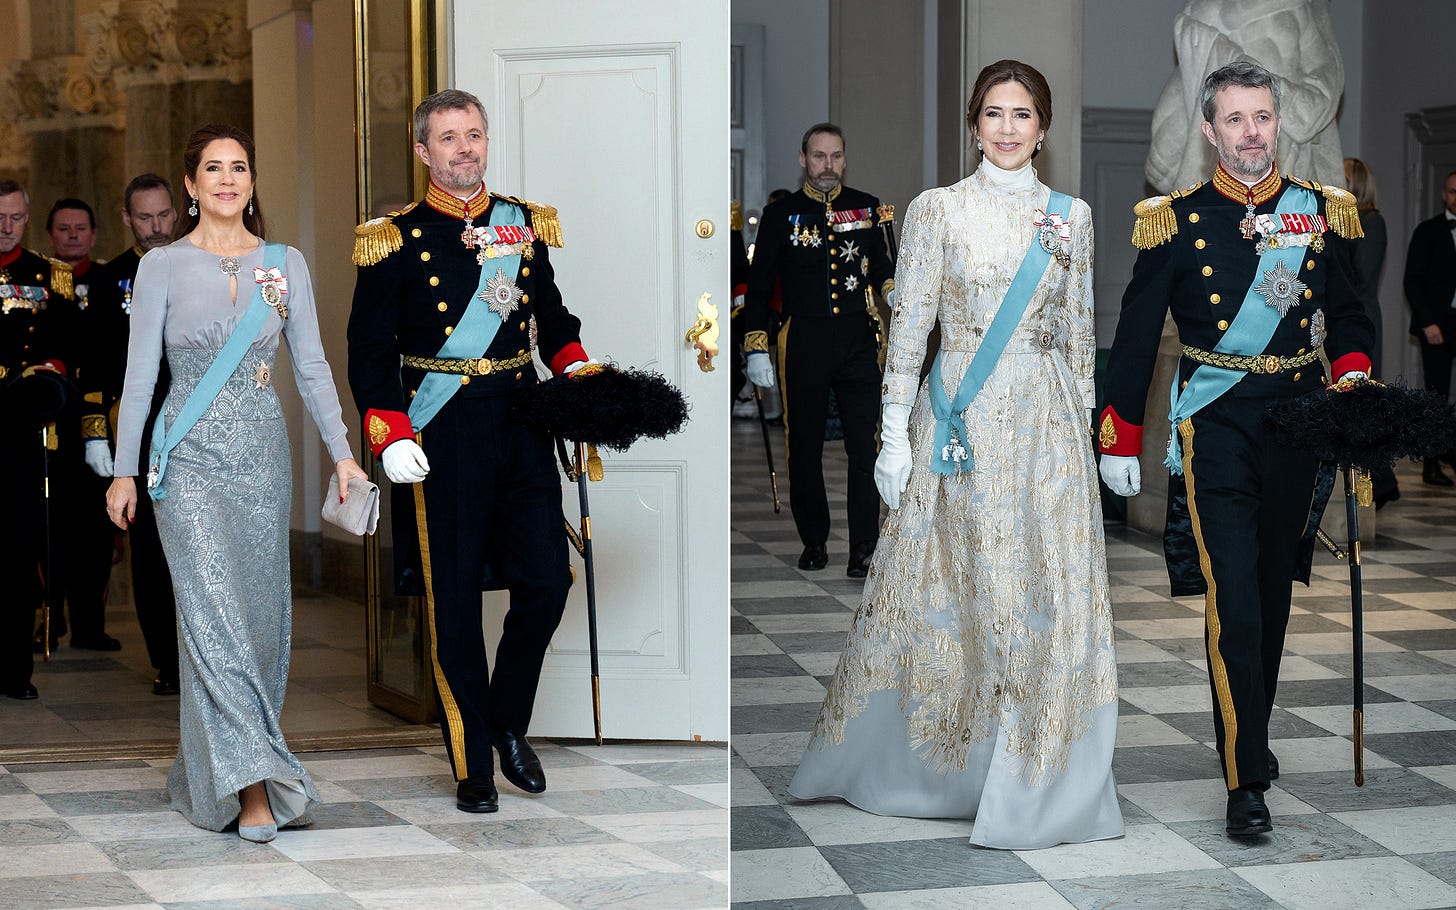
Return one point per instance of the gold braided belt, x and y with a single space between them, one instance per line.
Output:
1256 363
474 366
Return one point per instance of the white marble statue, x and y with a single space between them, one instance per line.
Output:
1295 40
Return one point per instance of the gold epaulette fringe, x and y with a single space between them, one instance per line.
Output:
1156 222
544 220
375 239
735 215
1341 212
63 280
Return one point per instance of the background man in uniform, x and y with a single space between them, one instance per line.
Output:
461 285
826 247
35 340
89 537
1255 294
1430 288
147 211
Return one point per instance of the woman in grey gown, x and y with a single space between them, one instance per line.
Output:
224 517
1367 258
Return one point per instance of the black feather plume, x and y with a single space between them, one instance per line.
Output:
612 408
1366 426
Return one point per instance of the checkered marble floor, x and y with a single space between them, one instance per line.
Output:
622 826
1388 845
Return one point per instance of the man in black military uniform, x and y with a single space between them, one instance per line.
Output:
90 537
36 339
149 213
1430 289
1254 268
828 248
461 286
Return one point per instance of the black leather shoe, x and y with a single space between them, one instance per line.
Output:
476 794
101 642
859 560
24 692
163 686
814 558
1273 765
1433 475
518 762
1247 813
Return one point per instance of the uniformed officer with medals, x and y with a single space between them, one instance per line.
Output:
1254 268
827 247
37 337
148 212
460 287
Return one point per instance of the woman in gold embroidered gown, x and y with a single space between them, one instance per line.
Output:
979 678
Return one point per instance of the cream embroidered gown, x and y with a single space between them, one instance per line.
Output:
979 678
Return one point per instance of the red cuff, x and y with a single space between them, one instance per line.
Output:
385 427
740 289
1351 361
1116 436
566 357
57 366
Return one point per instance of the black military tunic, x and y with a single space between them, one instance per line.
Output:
105 329
1247 499
828 252
491 504
32 333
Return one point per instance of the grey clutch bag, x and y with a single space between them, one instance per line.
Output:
359 515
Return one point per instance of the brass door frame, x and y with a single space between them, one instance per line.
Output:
427 58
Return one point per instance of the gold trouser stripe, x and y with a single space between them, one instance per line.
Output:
1210 616
784 382
447 698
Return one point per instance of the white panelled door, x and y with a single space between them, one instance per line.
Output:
616 112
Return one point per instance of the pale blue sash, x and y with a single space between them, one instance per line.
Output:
952 452
1249 334
165 439
473 333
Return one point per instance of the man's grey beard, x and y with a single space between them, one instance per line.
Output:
1238 168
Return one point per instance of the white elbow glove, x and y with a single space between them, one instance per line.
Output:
891 297
98 457
1122 474
759 369
404 461
892 468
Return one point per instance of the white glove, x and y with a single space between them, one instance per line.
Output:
1122 474
892 468
1090 414
737 303
891 297
1353 374
98 457
404 461
759 369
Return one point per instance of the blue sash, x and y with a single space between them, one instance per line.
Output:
1249 334
952 447
475 331
165 439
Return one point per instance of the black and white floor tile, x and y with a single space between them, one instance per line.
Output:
1390 844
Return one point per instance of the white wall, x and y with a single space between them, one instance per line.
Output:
796 79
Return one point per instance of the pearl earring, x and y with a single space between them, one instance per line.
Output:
192 209
1038 145
978 145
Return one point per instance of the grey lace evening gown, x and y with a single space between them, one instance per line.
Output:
224 521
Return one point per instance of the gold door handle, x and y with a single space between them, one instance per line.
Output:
703 335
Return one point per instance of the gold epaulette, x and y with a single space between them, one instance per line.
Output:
63 280
544 220
1340 208
1156 222
376 238
735 215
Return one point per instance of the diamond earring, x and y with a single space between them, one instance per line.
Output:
1038 145
978 145
250 199
192 209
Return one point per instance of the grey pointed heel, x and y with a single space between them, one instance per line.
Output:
258 834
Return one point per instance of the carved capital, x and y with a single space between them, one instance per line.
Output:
58 89
169 41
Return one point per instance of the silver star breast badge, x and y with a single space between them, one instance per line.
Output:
501 294
849 251
1280 289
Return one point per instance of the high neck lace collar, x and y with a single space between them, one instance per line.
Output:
1023 178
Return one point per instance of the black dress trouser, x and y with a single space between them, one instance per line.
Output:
493 494
816 356
1249 500
22 548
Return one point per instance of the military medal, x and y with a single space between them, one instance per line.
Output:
849 251
851 282
153 476
83 296
953 451
1317 332
261 375
274 285
125 285
1248 225
1280 289
1054 234
501 295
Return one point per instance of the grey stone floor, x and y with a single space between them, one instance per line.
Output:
1389 845
622 826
